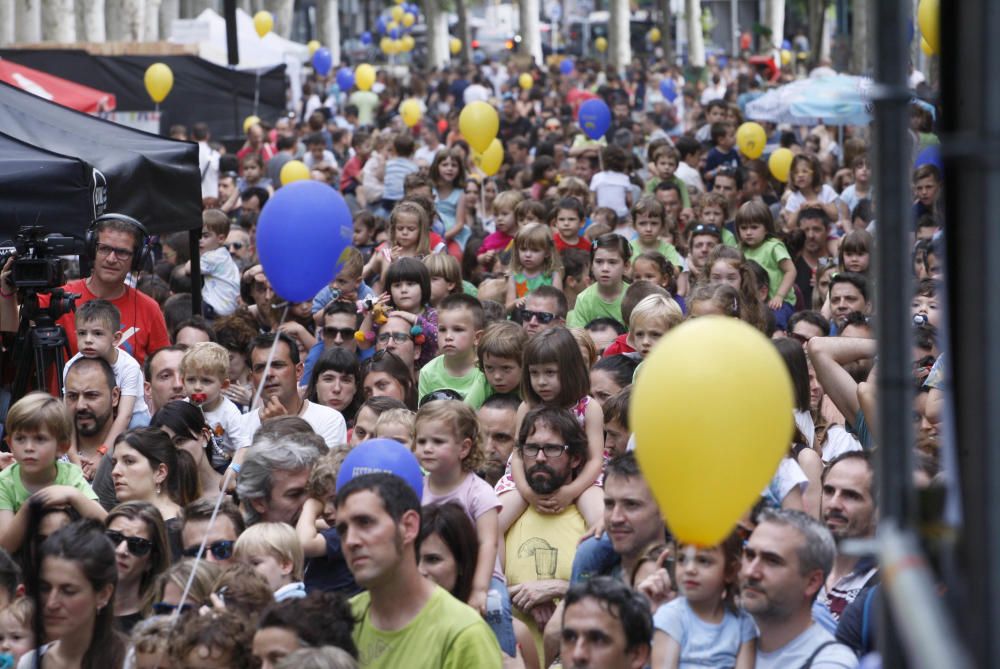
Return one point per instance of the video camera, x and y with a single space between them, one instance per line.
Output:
38 266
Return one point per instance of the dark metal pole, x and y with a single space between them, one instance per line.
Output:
193 237
970 94
893 157
233 57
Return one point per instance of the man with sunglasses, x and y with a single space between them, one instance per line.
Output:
544 308
219 536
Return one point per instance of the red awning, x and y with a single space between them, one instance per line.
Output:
75 96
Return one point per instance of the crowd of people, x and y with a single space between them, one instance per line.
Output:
176 499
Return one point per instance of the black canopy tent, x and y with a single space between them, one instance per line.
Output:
39 187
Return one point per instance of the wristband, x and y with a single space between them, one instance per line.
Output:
103 450
236 467
10 294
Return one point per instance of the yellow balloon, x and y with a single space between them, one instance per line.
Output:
313 46
490 160
929 20
479 124
751 138
525 81
925 47
399 2
655 35
786 56
159 79
408 19
706 472
263 22
407 43
411 112
601 44
364 76
397 13
392 25
385 44
249 122
293 170
454 45
780 163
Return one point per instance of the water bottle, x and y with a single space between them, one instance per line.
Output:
494 607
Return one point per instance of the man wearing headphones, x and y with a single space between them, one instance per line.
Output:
115 245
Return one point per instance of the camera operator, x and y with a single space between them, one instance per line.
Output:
115 250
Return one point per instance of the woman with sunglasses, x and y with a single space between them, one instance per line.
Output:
336 382
137 532
171 583
76 587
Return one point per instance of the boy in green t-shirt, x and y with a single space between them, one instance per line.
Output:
38 432
460 325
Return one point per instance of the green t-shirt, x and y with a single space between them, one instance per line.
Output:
13 493
768 255
590 305
472 387
446 634
664 248
469 289
653 182
729 239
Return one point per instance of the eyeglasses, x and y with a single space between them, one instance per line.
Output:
543 317
550 450
398 337
121 254
164 609
221 550
338 333
137 546
706 229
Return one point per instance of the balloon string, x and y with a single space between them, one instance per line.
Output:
225 484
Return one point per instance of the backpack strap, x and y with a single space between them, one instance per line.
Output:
819 649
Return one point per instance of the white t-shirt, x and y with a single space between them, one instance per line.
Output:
222 280
839 440
797 652
788 476
611 188
826 195
475 93
425 155
690 176
804 421
208 163
128 376
226 423
326 422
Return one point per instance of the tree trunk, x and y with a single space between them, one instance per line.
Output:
126 20
619 41
696 39
666 38
170 11
28 20
859 37
90 21
815 15
282 10
437 34
6 22
152 29
531 32
774 19
328 26
463 30
58 21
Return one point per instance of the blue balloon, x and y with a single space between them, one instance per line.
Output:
394 33
380 25
594 118
345 78
382 456
566 66
668 88
366 38
322 61
930 156
413 9
786 45
301 234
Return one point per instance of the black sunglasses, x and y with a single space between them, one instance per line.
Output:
234 246
137 546
164 609
344 333
543 317
706 229
221 550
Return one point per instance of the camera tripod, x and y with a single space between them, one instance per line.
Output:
41 346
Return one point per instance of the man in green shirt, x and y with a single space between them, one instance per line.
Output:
403 620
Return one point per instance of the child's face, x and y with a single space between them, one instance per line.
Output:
440 289
856 262
802 175
568 224
752 234
701 308
407 230
329 514
545 381
615 438
210 241
926 232
928 307
701 247
395 431
362 235
276 571
645 334
713 215
665 167
926 190
95 339
317 150
701 573
727 141
646 270
438 449
531 259
448 169
457 334
505 221
608 268
722 272
204 389
407 295
715 115
503 374
34 450
15 638
251 171
527 219
347 285
649 228
862 173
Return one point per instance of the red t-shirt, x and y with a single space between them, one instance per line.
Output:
143 327
266 152
618 346
581 243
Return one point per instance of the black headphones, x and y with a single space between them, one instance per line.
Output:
139 253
